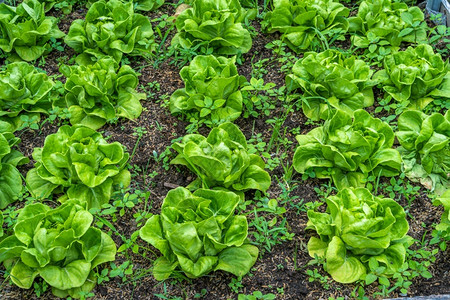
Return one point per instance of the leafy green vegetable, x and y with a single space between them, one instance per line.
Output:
425 148
110 28
79 162
217 23
65 6
358 230
222 160
199 233
386 24
101 92
415 76
306 24
331 81
444 200
57 244
212 90
144 5
347 150
1 224
22 90
147 5
10 177
25 31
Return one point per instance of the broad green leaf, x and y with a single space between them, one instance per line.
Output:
237 260
72 275
23 276
343 268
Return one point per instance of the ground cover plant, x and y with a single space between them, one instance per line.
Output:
230 217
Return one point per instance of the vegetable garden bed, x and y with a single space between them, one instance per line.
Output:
365 147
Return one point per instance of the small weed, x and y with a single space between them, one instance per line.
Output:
256 98
314 275
201 294
40 287
257 295
236 284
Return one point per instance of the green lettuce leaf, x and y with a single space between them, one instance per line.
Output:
10 177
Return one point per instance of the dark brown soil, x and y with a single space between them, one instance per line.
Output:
281 271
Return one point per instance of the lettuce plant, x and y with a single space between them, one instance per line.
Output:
57 244
101 92
25 31
111 28
415 77
305 24
144 5
348 151
65 6
1 225
222 160
199 233
444 226
212 90
359 230
331 81
217 23
10 177
23 90
425 148
80 163
385 24
147 5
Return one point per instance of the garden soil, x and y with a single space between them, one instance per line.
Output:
281 271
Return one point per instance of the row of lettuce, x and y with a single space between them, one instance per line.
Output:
198 229
379 25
